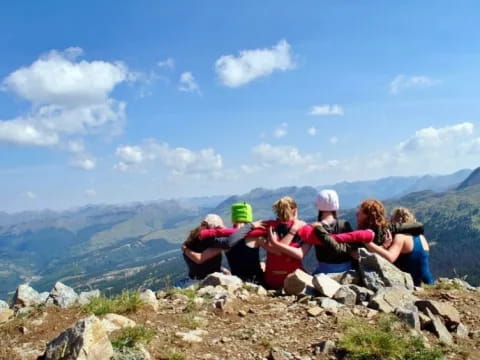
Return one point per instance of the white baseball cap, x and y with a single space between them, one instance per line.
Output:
213 220
327 200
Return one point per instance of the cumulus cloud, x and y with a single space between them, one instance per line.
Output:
281 130
69 98
84 162
325 110
404 82
312 131
431 137
289 155
177 160
187 83
235 71
333 140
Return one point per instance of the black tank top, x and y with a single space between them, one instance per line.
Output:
200 271
244 262
337 227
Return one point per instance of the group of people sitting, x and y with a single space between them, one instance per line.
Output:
287 240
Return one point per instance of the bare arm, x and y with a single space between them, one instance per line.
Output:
295 253
200 258
392 253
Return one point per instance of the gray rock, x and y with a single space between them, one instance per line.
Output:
86 340
347 278
329 304
388 299
26 296
86 296
62 295
325 285
211 291
113 322
230 282
363 294
297 282
149 298
3 305
346 296
327 347
445 310
378 273
193 336
409 314
461 331
439 328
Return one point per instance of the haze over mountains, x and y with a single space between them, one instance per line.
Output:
117 246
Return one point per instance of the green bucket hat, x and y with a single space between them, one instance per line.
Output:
242 212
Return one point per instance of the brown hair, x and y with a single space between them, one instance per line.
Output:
375 213
402 215
285 208
195 233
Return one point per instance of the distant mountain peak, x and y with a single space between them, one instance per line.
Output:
471 180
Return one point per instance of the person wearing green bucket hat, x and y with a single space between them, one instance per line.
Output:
243 254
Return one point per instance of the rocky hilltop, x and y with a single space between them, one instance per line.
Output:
373 313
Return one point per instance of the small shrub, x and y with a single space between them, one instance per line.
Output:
129 337
387 340
127 301
173 354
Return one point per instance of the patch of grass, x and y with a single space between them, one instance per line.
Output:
243 334
188 320
129 337
444 286
265 342
188 292
173 354
386 340
127 301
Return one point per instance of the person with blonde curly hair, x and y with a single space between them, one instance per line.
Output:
402 215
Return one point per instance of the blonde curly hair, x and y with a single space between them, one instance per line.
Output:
402 215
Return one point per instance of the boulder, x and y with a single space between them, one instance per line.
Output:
461 331
439 328
388 299
149 298
346 296
297 282
363 294
329 304
5 315
86 340
112 322
211 291
325 285
26 296
409 314
378 273
445 310
230 282
62 295
86 296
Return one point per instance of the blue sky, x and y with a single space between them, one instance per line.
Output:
108 102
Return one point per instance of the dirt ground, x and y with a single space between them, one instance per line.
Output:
248 329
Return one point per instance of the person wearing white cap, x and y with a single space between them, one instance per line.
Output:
328 204
194 244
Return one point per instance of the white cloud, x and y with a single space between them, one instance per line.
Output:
69 97
187 83
168 63
281 130
325 110
235 71
90 192
333 140
178 160
312 131
289 155
404 82
431 137
84 163
31 195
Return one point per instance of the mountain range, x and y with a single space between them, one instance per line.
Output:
118 246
